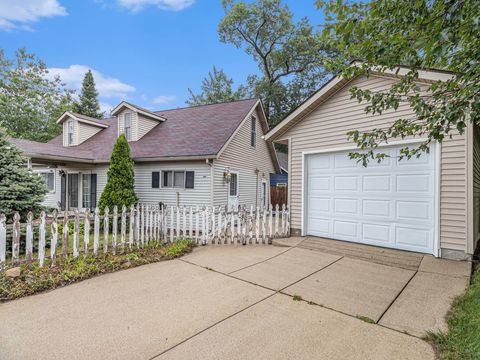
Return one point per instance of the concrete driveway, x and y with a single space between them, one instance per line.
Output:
231 302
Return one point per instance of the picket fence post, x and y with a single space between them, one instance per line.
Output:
86 234
96 232
53 244
65 234
131 230
123 228
16 238
114 229
3 239
29 238
106 229
41 239
276 221
76 233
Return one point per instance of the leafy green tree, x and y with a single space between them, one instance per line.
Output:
30 102
288 54
21 190
120 188
88 104
216 88
421 34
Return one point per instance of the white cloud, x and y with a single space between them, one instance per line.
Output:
164 99
138 5
19 13
106 86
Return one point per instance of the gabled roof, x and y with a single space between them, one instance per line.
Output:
82 118
338 82
138 109
196 132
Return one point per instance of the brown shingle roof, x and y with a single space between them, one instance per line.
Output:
198 131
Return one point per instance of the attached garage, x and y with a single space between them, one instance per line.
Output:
429 205
391 204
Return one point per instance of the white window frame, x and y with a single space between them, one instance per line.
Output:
41 172
128 135
162 172
237 174
88 193
253 132
70 132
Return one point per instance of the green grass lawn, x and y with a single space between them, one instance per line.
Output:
462 341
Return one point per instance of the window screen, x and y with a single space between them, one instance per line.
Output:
155 179
179 179
167 179
49 180
189 180
233 185
253 135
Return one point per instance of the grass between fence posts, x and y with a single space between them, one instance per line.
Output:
462 340
33 279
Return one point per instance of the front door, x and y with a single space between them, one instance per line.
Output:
233 190
72 191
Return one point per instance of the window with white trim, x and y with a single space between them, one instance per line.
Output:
70 129
178 179
49 177
253 134
127 124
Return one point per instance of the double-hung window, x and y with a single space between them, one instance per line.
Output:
178 179
49 178
70 128
127 123
89 191
253 134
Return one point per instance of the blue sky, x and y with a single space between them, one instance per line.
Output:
148 52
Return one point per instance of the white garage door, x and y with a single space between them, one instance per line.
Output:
390 204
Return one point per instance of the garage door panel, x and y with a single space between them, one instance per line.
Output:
378 183
346 183
346 206
347 230
420 183
372 207
318 184
414 210
413 237
376 233
388 204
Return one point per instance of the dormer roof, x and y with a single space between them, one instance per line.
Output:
142 111
83 119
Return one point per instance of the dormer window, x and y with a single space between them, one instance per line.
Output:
70 127
127 118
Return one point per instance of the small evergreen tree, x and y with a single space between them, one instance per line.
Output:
21 190
120 178
88 104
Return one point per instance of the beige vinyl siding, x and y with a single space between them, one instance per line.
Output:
144 125
199 195
86 131
240 156
326 127
134 123
476 185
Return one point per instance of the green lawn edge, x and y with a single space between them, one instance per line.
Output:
462 340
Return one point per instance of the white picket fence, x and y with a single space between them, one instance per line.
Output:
140 226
